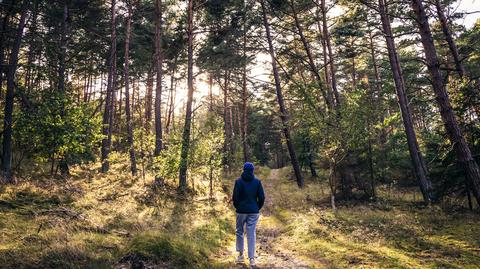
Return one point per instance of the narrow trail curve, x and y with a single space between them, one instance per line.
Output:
268 253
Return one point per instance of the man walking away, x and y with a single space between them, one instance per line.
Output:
248 199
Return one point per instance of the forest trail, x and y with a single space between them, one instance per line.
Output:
270 252
115 220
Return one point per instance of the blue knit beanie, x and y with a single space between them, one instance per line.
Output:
248 167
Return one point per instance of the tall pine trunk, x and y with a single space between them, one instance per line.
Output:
7 123
107 114
464 155
148 99
283 111
327 95
63 163
159 69
3 36
171 106
244 121
126 74
328 43
448 37
417 160
379 100
188 113
63 49
227 130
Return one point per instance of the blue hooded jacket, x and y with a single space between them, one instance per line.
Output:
248 195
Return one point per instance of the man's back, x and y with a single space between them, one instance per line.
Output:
248 195
248 198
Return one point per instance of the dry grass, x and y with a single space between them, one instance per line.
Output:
91 221
384 234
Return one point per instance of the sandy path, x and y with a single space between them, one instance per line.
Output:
269 254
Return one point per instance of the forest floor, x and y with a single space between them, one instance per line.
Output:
89 220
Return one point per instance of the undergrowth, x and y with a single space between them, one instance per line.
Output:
90 220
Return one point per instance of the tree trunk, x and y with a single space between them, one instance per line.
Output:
354 71
63 50
3 49
7 124
448 36
378 79
227 131
322 40
283 111
148 99
63 163
332 183
244 90
188 113
464 155
159 69
107 117
118 107
311 62
379 100
126 74
33 47
171 106
210 92
417 160
326 36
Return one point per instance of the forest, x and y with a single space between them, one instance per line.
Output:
126 123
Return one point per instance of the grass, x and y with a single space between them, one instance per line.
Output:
382 234
93 221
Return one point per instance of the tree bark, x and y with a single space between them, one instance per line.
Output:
3 49
188 113
148 99
378 79
227 130
171 107
378 98
107 114
159 69
326 36
126 74
448 37
322 40
417 160
7 124
244 90
33 47
63 163
283 111
464 155
63 50
311 62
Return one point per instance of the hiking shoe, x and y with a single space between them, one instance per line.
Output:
252 263
240 259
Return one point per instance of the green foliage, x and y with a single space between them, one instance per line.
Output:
166 165
58 128
205 157
207 144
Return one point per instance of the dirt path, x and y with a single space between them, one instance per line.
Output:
269 253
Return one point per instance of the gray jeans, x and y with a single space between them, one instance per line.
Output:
250 222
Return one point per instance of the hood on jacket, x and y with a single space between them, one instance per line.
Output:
248 169
247 175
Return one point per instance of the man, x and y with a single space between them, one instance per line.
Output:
248 198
